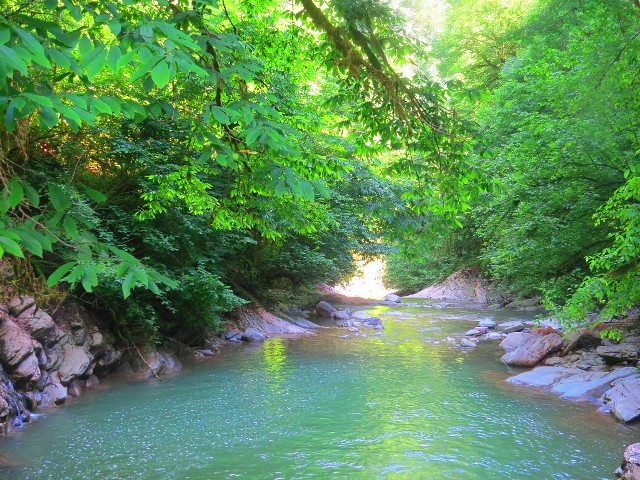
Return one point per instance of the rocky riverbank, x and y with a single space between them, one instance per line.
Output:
48 357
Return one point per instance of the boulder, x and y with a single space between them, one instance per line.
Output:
392 298
589 385
630 467
15 344
494 336
488 323
54 393
231 334
361 315
465 342
253 335
27 372
511 327
533 349
325 309
75 363
581 338
341 315
303 323
372 322
513 341
544 376
624 352
36 322
623 398
474 332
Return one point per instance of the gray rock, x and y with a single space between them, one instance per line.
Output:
36 322
474 332
494 336
624 352
392 298
91 381
589 385
543 376
253 335
107 360
630 467
581 339
341 315
388 303
54 393
205 352
304 323
75 363
465 342
623 398
346 323
551 322
510 327
75 388
361 315
513 341
553 361
533 349
231 334
372 322
487 323
325 309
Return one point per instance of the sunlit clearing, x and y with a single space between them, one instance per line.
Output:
367 282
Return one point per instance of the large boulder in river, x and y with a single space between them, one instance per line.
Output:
513 340
510 327
253 335
630 468
391 300
465 285
533 349
325 309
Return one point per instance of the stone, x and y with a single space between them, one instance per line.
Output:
494 336
361 315
553 361
623 398
231 334
624 352
16 344
372 322
19 304
91 381
510 327
304 323
581 338
325 309
341 315
543 376
76 361
107 360
533 349
75 388
589 385
53 394
488 323
465 342
253 335
392 298
36 322
474 332
205 352
27 372
513 341
630 467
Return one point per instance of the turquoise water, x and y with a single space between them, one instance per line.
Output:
403 406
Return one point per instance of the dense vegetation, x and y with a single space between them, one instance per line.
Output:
559 118
168 161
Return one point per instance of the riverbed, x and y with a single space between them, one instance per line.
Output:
403 405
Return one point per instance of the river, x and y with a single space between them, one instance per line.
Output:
406 405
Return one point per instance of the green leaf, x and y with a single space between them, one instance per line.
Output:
70 227
126 283
59 273
34 46
160 74
48 117
124 256
281 187
97 63
90 278
59 197
95 195
31 193
112 59
30 242
16 193
220 115
10 245
5 34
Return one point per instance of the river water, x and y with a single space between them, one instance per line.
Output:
406 405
